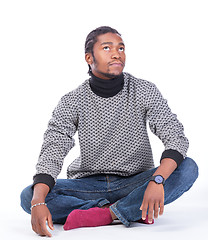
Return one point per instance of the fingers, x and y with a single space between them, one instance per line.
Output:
39 217
150 212
50 222
161 208
147 207
41 229
37 229
45 231
153 201
156 210
144 207
152 208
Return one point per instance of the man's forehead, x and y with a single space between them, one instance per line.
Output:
109 38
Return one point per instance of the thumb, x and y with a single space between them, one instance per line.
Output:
141 207
50 222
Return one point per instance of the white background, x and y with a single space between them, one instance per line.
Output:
42 58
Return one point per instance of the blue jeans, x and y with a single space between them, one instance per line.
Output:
124 193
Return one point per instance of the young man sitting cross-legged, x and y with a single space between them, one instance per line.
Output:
114 177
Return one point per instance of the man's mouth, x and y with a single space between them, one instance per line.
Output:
116 64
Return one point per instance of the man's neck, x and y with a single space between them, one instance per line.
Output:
106 88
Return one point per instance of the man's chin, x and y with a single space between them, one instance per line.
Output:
112 75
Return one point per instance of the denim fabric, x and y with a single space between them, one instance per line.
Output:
124 193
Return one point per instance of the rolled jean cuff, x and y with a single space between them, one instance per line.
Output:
119 216
103 202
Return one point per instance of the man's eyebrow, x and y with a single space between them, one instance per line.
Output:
111 43
105 43
121 43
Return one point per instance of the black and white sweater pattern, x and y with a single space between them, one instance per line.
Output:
112 131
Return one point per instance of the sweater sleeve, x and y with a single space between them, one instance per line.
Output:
44 178
58 140
165 125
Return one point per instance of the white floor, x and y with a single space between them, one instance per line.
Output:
186 218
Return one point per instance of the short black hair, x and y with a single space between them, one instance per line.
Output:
92 37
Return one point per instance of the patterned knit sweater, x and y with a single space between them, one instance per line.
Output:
112 132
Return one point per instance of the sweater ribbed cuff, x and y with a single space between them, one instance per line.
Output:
44 178
173 154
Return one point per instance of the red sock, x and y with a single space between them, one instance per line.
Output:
145 221
92 217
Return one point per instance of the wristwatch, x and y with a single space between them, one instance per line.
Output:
158 179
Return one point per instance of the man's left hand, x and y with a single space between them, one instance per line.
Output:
153 201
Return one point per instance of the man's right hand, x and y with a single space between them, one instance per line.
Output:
39 216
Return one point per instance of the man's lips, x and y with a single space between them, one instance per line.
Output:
116 64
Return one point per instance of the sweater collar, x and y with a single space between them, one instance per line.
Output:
106 88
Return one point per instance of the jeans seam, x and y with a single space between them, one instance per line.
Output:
119 216
72 190
108 190
134 183
108 183
144 180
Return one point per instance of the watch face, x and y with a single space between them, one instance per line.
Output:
158 179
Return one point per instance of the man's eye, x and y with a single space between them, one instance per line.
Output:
121 49
106 48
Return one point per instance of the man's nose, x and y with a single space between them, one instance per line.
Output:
115 54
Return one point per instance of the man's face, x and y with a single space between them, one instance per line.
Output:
108 58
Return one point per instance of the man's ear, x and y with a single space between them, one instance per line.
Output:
88 58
